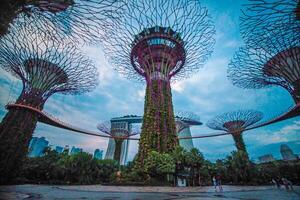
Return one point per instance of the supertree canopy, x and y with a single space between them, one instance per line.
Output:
262 16
45 68
235 123
156 41
118 133
271 55
185 119
81 19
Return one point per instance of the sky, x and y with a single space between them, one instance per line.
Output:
207 93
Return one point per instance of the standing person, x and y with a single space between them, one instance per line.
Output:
274 183
278 182
287 183
219 183
214 182
290 183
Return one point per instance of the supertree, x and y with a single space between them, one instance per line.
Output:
262 17
235 123
271 55
156 41
119 134
184 120
86 20
44 67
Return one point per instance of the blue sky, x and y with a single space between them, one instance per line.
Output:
207 93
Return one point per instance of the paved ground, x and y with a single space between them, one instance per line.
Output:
145 193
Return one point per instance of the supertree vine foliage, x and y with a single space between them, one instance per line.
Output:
158 41
235 123
81 19
119 134
271 56
44 68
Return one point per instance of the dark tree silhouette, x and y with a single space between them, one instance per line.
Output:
235 123
85 20
158 41
44 67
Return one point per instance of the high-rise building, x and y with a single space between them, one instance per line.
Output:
266 158
75 150
37 146
59 149
287 153
98 154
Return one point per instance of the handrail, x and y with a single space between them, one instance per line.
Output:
291 113
51 120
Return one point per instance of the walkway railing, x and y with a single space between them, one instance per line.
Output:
53 121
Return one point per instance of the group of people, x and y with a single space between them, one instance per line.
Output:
276 181
217 183
283 181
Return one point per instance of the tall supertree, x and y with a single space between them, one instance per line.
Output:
271 55
45 68
157 41
118 133
86 20
235 123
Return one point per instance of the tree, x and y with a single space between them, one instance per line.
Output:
158 165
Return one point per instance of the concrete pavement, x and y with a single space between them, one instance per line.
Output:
145 193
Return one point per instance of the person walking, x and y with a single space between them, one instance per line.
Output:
274 183
214 182
287 183
219 183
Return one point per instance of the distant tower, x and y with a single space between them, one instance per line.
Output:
287 153
37 146
98 154
59 149
75 150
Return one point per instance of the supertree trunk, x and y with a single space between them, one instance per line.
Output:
158 129
16 130
239 142
118 148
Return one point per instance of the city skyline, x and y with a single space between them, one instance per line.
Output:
198 94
